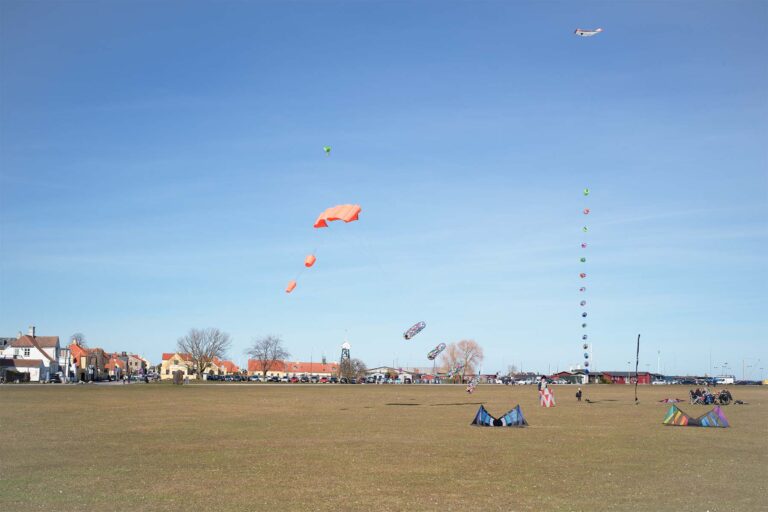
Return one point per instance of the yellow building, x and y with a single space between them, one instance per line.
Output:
175 361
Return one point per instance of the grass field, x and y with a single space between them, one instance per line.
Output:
333 447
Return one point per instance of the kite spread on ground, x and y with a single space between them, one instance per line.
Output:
513 418
414 330
587 33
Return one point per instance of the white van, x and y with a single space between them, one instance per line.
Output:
720 381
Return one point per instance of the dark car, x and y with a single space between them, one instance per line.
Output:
304 379
55 378
314 379
333 380
343 380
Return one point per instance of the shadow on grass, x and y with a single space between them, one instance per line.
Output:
402 404
458 403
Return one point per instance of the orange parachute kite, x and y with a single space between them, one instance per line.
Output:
345 212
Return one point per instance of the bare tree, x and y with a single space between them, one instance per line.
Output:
466 352
511 370
203 345
79 339
352 369
267 351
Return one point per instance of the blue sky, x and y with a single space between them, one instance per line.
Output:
161 166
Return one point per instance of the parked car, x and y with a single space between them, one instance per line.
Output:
304 379
54 379
333 380
254 378
273 378
285 379
294 380
323 380
314 379
370 380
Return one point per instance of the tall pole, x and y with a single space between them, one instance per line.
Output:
637 363
658 362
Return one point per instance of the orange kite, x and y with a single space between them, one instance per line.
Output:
345 212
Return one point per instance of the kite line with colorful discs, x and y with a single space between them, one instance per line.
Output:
583 291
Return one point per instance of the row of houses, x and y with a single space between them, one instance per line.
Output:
32 358
177 361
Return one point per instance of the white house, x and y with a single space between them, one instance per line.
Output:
36 356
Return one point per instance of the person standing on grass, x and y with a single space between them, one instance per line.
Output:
578 395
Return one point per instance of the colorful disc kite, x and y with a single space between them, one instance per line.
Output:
435 352
583 303
582 275
586 211
583 260
414 330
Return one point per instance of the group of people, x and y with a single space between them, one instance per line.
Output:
706 397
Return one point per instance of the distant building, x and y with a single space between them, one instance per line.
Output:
30 357
175 361
294 369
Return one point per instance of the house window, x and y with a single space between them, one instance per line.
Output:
26 352
16 352
167 371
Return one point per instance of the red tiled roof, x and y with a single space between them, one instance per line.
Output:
21 363
169 355
77 352
314 367
229 366
36 341
254 365
114 362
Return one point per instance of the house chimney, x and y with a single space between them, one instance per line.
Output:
32 330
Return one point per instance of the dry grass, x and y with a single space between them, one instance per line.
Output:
324 447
